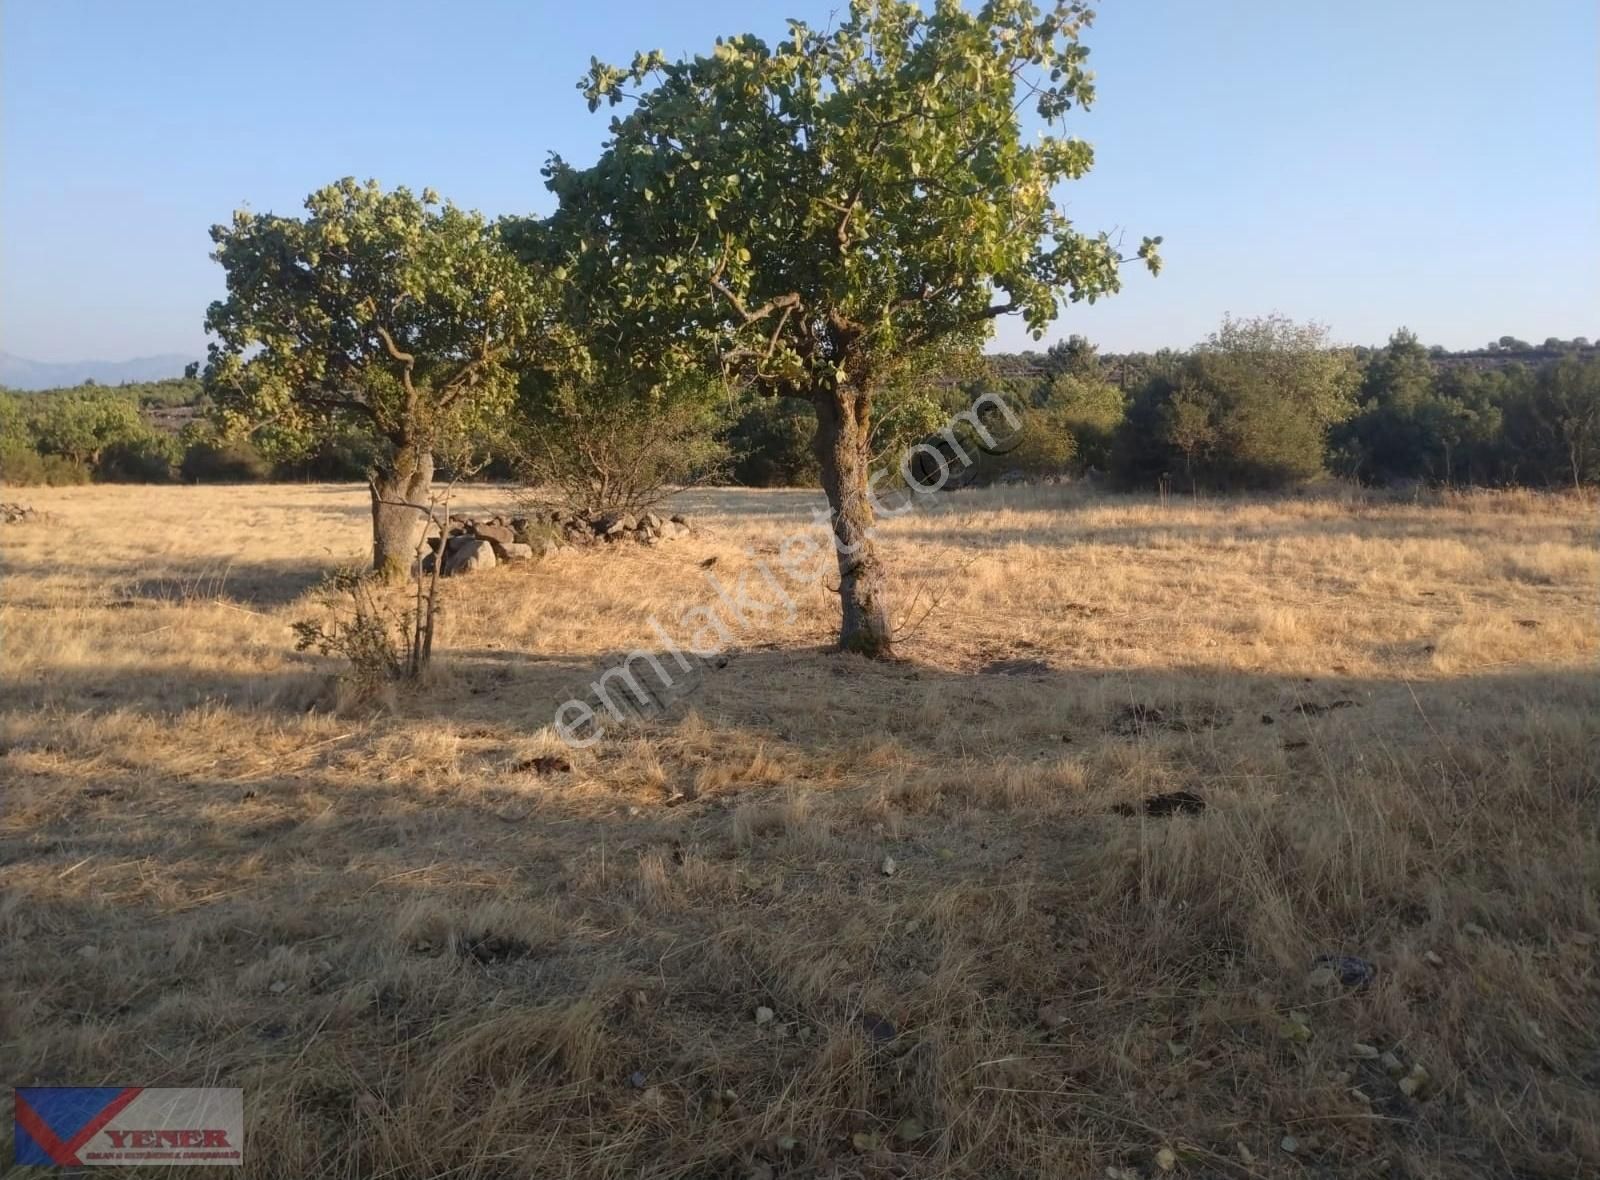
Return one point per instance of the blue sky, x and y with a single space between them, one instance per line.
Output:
1363 163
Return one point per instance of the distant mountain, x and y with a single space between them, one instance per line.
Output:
20 373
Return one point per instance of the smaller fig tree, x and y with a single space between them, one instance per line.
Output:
403 317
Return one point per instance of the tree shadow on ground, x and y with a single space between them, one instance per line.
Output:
411 889
264 584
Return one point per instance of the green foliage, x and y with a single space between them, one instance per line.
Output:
22 465
1251 407
816 211
386 313
770 441
602 448
373 637
1552 423
1415 423
209 457
1091 410
170 393
15 422
82 424
1045 447
345 453
147 457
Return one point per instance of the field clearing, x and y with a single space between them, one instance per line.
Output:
423 956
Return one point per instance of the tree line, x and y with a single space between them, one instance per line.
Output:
1265 403
1223 416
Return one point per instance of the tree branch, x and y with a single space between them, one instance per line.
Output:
789 301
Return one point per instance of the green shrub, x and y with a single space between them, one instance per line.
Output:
1250 408
20 464
1092 411
145 458
83 423
213 460
771 444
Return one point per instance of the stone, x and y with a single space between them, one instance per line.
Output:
514 551
499 533
468 557
1415 1082
1349 970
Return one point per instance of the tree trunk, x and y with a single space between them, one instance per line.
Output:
841 447
400 512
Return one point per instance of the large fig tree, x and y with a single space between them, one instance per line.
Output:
823 209
390 312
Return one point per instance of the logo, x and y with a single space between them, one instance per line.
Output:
110 1126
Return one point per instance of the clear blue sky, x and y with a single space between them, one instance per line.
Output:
1366 163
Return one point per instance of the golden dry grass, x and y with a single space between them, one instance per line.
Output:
422 958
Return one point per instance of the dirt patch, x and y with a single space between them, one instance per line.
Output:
1139 720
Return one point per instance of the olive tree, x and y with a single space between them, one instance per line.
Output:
83 424
818 210
392 313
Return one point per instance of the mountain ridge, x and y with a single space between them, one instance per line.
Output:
19 372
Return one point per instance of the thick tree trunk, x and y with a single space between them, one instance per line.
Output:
841 446
400 512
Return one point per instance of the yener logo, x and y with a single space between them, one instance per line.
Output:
110 1126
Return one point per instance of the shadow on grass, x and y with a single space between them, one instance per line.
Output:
402 896
265 584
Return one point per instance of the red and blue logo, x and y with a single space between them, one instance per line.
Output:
54 1122
112 1126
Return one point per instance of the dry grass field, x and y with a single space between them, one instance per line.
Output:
423 954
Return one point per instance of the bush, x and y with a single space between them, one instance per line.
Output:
342 457
1091 411
1250 408
1552 423
21 464
82 424
601 454
145 458
770 441
1042 447
213 460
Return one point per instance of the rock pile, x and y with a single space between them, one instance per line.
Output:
18 514
472 543
644 528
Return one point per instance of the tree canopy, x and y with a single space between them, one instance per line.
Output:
404 314
408 318
869 181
